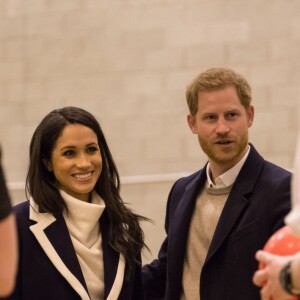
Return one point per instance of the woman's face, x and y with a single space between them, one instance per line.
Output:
76 161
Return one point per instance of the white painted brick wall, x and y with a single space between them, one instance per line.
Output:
129 62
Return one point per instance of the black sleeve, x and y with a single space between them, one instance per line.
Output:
5 204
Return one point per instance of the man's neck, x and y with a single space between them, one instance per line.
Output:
218 169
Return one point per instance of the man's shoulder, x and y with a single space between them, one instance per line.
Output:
184 180
275 171
276 167
256 161
190 181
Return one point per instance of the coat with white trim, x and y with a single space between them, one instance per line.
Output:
48 265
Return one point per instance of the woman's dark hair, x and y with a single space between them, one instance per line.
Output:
125 233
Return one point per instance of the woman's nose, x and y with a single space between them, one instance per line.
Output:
83 161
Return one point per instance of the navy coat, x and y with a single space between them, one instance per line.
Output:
256 206
48 265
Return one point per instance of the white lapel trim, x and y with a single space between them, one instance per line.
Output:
43 221
117 285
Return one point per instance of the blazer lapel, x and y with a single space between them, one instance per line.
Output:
233 208
237 201
59 250
114 263
119 279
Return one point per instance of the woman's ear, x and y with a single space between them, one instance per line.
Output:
47 164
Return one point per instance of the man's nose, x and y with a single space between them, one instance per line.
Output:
222 126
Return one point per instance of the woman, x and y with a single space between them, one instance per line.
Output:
8 240
77 238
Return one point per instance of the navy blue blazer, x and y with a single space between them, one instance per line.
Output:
256 206
48 265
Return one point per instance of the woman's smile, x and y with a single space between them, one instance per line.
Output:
76 161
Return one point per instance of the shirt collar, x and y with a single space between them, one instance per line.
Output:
227 178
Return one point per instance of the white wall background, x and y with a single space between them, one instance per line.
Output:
128 62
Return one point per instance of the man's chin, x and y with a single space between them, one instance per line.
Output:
223 158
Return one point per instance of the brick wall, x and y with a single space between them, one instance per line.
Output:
128 62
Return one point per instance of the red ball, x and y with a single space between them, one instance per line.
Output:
284 243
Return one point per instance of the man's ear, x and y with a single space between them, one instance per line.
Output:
250 114
192 123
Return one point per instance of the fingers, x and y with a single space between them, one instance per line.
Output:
264 293
263 256
259 278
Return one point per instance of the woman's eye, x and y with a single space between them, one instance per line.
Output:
69 153
92 149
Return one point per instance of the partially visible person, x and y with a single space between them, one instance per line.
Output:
218 217
281 276
78 240
8 240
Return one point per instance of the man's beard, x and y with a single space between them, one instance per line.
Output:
224 156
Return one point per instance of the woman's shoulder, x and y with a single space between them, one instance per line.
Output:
21 208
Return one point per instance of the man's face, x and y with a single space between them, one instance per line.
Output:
221 124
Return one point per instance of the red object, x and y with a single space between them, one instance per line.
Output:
283 242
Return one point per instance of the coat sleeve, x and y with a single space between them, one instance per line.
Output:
154 275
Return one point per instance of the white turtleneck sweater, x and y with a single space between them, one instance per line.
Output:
82 220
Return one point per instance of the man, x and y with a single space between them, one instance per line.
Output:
218 217
282 273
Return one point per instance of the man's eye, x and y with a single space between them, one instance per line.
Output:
232 115
210 118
